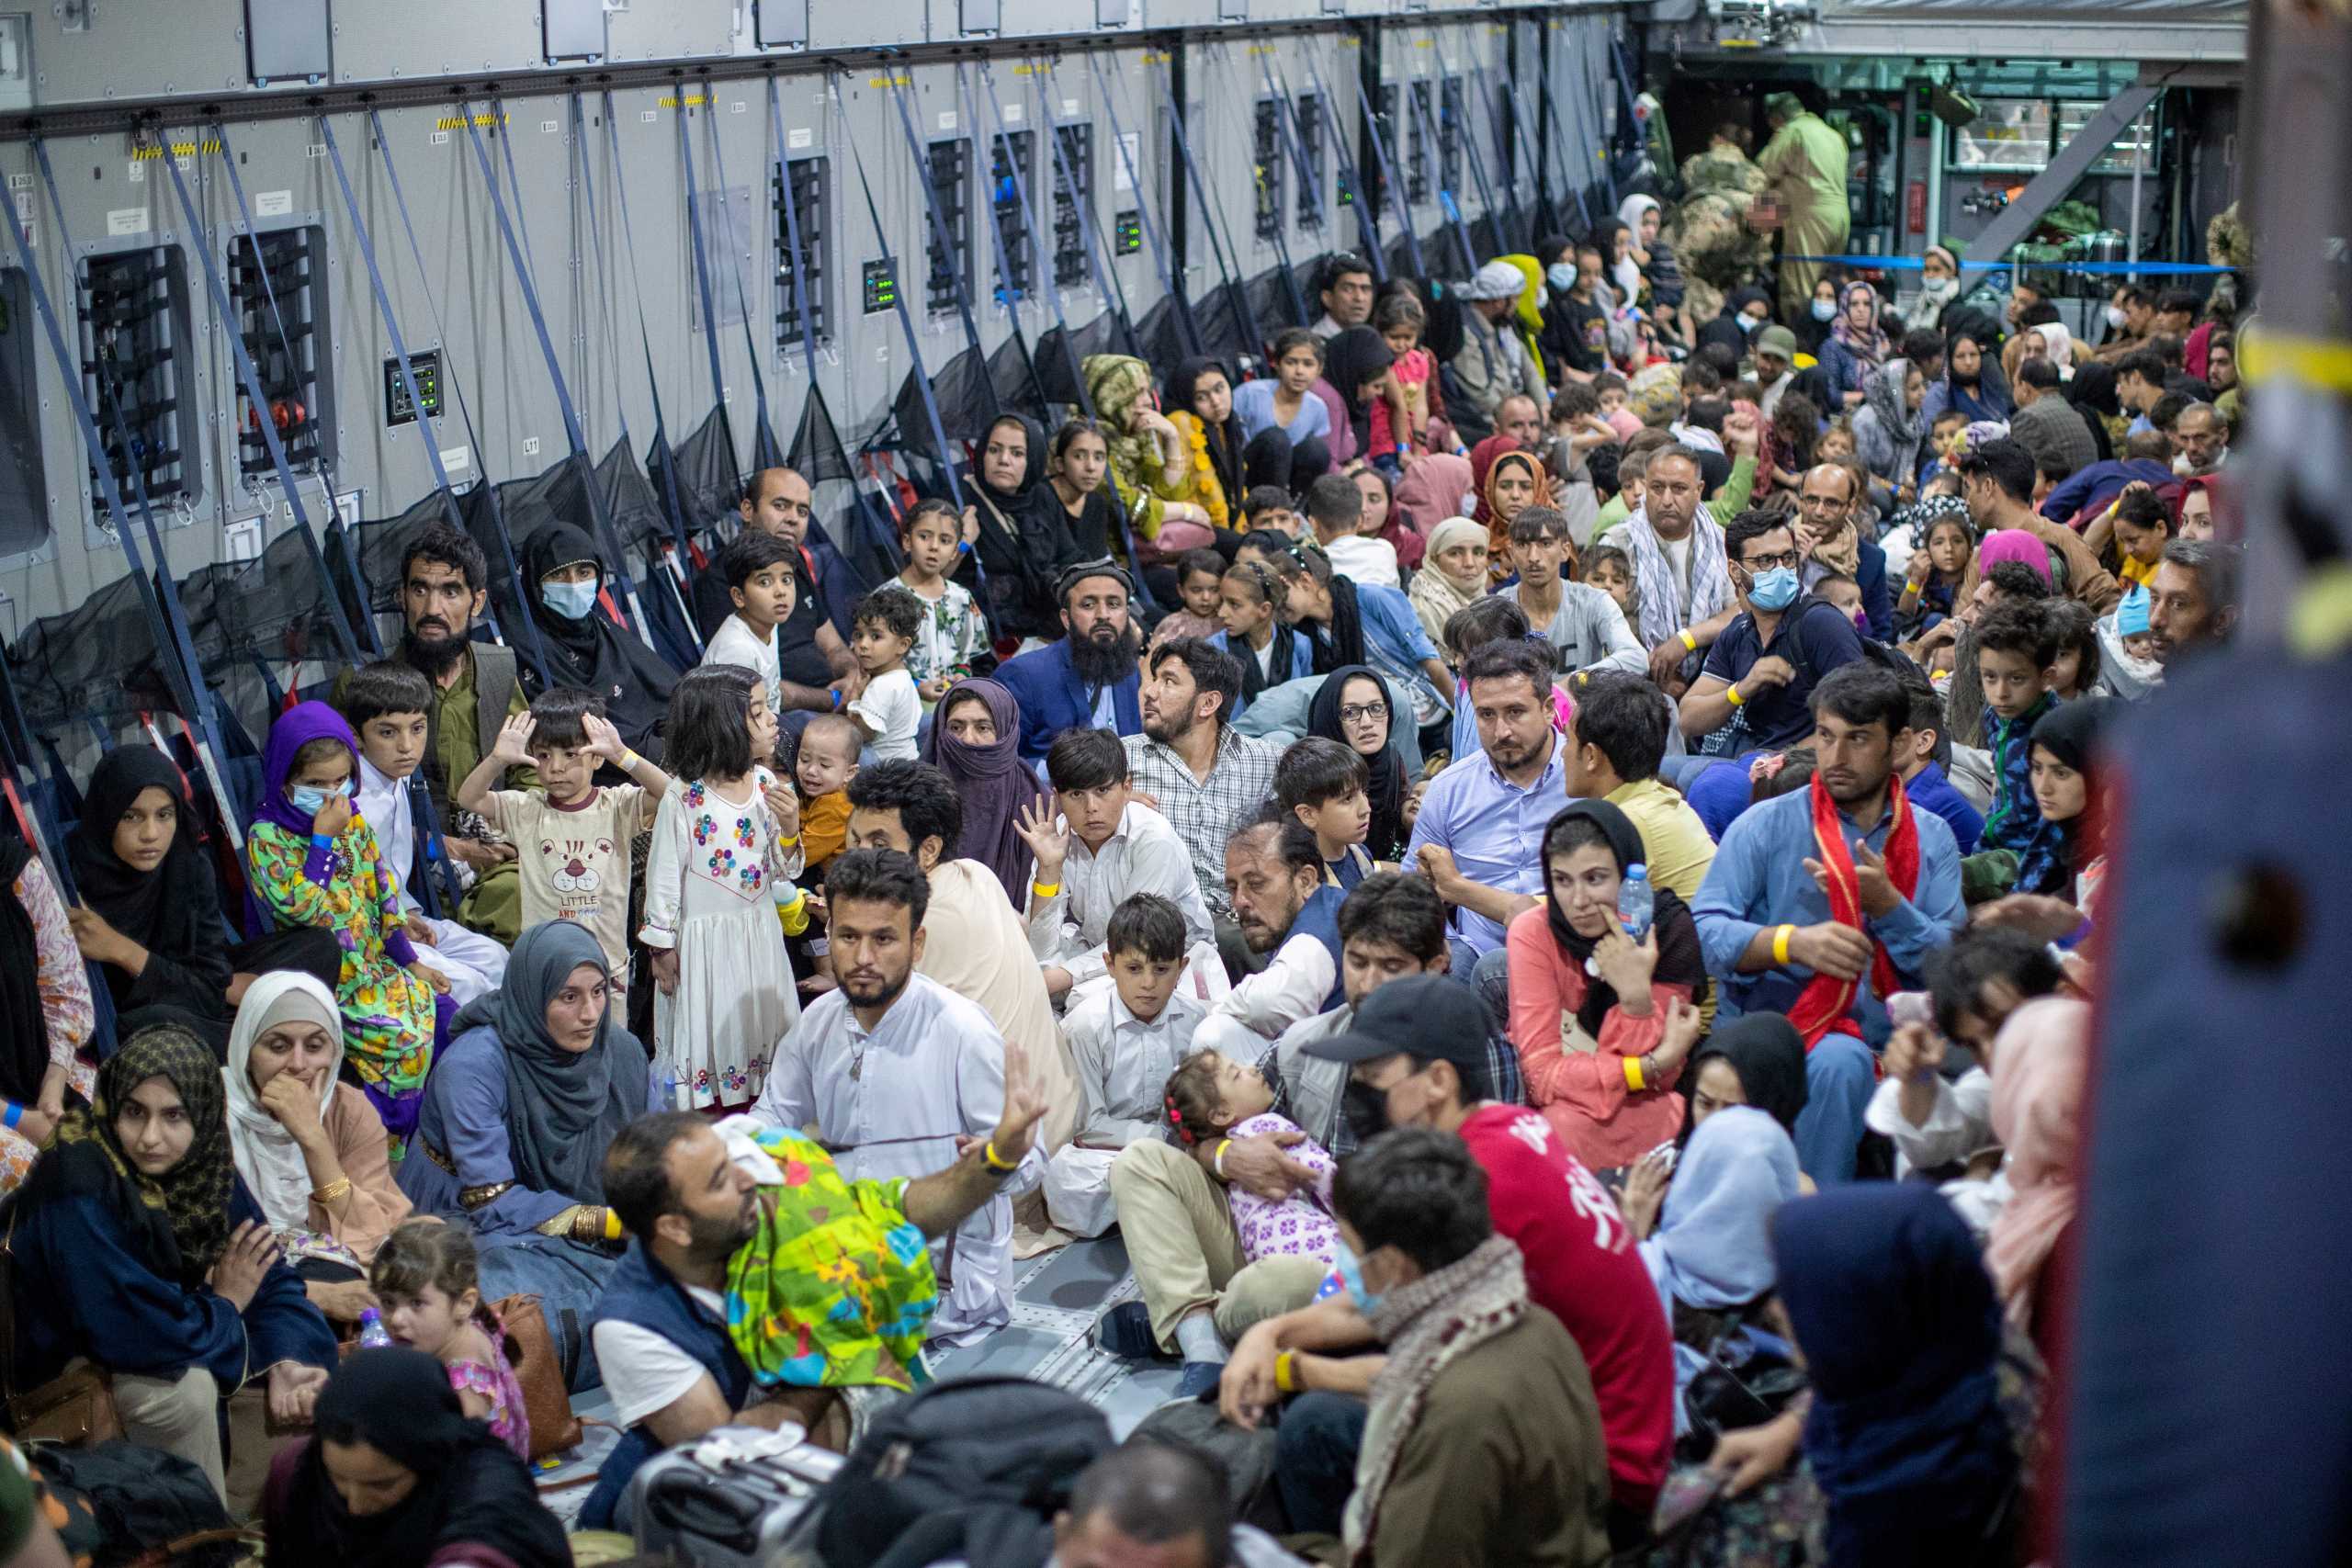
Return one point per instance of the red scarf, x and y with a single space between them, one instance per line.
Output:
1827 1002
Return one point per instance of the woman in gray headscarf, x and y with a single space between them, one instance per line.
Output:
1890 427
517 1116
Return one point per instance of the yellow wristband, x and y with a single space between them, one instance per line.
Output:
1634 1075
989 1158
1781 943
1044 890
1286 1371
612 1226
1219 1160
1731 694
788 843
1689 641
629 760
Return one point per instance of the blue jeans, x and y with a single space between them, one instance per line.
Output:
1840 1075
1488 976
1315 1458
568 1280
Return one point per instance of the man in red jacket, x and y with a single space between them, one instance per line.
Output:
1418 1059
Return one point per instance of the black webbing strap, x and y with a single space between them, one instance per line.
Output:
1170 283
678 552
919 156
1226 255
765 452
1037 258
1107 283
1427 121
175 648
258 402
1390 184
898 298
1367 220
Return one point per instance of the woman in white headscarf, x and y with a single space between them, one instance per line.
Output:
2061 345
310 1148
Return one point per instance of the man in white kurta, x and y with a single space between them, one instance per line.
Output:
1142 855
892 1101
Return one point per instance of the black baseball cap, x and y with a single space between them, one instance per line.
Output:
1434 1017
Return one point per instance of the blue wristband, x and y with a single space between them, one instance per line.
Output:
837 701
14 1114
963 546
322 841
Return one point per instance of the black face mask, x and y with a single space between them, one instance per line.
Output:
1366 1109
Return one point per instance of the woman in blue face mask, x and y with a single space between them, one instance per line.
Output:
584 646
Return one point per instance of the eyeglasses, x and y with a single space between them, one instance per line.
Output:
1790 558
1363 711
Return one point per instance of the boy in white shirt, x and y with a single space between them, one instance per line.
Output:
889 709
1126 1039
759 571
1095 844
1335 511
386 706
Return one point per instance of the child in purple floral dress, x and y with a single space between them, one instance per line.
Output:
1210 1097
424 1274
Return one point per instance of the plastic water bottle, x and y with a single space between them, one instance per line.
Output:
372 1332
1636 905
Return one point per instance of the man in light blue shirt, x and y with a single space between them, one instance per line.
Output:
1479 833
1765 888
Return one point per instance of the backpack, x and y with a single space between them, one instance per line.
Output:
973 1468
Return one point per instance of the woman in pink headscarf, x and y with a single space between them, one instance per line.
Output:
2040 1065
2015 544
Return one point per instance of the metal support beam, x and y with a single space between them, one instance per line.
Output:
2047 189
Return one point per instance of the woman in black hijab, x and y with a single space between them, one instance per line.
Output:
395 1476
2092 393
1360 686
1222 435
1023 532
1756 1059
1353 361
564 575
150 915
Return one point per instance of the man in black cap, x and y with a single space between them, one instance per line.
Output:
1415 1057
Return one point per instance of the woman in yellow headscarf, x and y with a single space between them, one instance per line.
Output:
1155 471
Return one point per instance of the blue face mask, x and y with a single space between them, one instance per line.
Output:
309 799
572 601
1351 1268
1773 590
1562 275
1825 309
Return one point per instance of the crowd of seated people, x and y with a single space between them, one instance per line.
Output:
1520 882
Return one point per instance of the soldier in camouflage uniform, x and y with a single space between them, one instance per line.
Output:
1709 230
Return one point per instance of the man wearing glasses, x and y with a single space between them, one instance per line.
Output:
1761 672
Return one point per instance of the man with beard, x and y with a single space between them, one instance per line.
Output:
2192 600
1680 571
1997 482
445 583
1287 910
975 943
1480 818
1086 679
689 1195
899 1072
1824 900
812 655
1208 777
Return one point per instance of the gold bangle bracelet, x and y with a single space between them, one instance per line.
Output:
339 1187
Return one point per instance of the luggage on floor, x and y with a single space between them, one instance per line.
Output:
739 1496
972 1467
